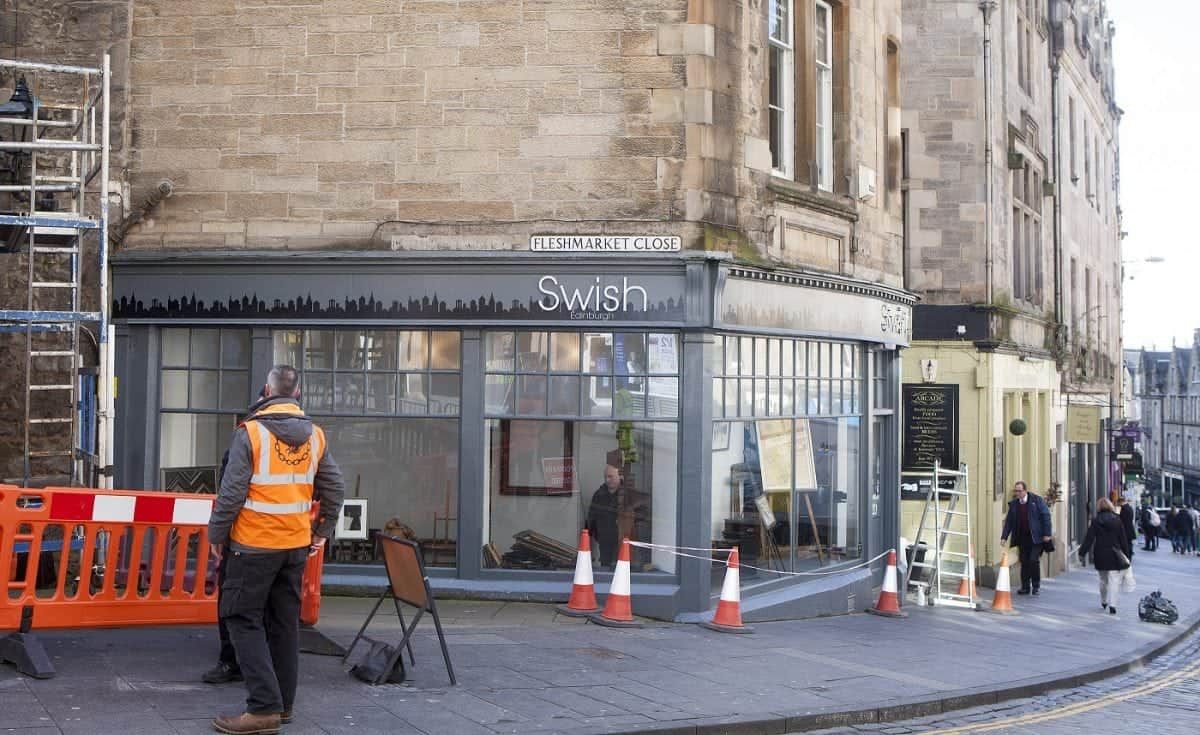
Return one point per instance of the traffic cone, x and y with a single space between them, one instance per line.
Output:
966 585
1002 602
888 604
618 609
583 591
729 610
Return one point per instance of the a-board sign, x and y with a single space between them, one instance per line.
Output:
930 427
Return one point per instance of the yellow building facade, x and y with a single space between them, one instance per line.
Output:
994 389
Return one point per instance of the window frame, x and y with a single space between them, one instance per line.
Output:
397 372
823 70
786 91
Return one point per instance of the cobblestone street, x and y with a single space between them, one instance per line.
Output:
1163 698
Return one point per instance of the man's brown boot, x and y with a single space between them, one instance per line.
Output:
247 724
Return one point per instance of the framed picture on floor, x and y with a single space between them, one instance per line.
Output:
352 521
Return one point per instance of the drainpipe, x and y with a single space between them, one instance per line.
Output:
1056 51
987 7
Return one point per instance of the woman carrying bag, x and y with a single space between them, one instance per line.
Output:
1110 549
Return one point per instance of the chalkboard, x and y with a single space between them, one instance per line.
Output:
930 427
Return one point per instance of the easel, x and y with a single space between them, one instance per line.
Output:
737 482
812 521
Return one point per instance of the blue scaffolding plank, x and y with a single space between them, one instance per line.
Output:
42 220
37 328
49 316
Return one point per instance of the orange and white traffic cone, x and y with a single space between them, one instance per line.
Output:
888 604
618 608
966 585
1002 602
728 618
583 590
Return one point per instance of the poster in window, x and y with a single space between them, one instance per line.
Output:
558 471
352 520
774 454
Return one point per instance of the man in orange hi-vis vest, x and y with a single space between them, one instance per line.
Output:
278 464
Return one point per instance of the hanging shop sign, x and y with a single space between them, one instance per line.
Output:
930 426
1122 447
605 243
1083 424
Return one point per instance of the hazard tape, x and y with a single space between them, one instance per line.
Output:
679 551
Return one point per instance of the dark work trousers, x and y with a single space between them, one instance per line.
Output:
227 656
260 604
1031 565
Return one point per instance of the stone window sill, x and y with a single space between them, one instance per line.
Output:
804 196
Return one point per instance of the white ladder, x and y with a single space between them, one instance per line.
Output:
948 522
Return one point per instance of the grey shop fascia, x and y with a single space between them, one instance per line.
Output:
710 304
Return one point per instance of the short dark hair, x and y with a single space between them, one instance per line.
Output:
283 380
1022 484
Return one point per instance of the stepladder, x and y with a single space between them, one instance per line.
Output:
942 569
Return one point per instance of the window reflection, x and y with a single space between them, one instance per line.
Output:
547 479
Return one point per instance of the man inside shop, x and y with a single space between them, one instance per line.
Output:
603 514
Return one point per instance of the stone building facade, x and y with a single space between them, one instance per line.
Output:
349 175
1167 389
1090 270
993 226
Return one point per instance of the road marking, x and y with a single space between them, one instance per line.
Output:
1188 672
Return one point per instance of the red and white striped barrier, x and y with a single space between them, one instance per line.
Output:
130 509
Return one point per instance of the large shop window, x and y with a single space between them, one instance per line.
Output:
581 432
388 401
204 382
786 452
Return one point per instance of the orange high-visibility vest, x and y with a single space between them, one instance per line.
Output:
276 513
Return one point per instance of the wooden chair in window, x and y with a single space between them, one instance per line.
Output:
445 527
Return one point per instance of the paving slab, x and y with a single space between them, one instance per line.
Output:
522 668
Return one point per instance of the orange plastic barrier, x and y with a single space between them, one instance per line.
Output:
85 558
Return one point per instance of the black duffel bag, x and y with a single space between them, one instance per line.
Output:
372 666
1154 608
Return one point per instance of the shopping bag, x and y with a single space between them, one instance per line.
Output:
1128 582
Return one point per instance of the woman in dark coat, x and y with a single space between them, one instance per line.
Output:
1125 513
1105 538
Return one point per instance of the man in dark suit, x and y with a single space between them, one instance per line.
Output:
1028 523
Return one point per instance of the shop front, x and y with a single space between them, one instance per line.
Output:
494 404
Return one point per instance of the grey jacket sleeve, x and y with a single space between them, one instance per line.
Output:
235 486
330 490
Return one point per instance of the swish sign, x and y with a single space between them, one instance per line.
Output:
594 301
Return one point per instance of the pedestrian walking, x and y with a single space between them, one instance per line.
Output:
1150 525
1125 513
1195 544
260 526
1181 529
1110 549
1028 523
